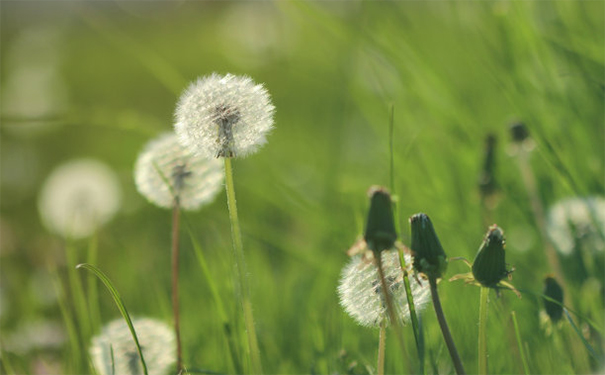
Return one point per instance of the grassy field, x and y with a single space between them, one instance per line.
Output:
99 79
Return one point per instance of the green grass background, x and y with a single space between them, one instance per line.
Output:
453 72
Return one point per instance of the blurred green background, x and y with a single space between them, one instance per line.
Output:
99 79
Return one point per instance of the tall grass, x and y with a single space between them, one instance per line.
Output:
454 71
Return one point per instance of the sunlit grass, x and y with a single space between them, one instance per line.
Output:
452 71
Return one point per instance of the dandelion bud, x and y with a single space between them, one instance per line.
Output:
78 197
113 351
553 290
429 257
224 116
361 293
166 170
489 266
519 132
380 228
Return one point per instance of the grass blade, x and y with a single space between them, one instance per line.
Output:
119 303
521 351
586 344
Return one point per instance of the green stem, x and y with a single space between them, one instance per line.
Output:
175 284
447 336
521 350
381 347
93 295
483 330
229 334
412 307
240 270
77 291
389 302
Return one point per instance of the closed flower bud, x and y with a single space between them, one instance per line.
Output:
489 267
553 290
429 257
519 132
380 231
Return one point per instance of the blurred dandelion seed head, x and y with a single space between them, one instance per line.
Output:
574 222
78 197
157 343
361 294
165 168
224 116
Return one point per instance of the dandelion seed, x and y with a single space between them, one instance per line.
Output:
574 221
224 116
165 168
113 351
78 197
361 295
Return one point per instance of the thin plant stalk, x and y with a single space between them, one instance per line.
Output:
382 337
241 272
389 303
521 350
93 300
483 302
229 334
175 283
412 308
406 280
77 292
447 336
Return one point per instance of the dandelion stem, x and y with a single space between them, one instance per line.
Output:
412 307
447 336
381 347
389 302
483 302
175 283
521 350
93 295
240 269
77 291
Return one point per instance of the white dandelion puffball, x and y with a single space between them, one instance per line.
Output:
361 294
574 221
78 197
165 168
113 351
224 116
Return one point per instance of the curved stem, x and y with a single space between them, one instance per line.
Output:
381 347
483 330
240 269
175 283
412 307
389 303
447 336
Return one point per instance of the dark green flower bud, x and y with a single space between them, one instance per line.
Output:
519 132
489 266
553 290
429 257
380 228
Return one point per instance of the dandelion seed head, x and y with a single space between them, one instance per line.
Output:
574 221
361 294
224 116
157 343
78 197
165 168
